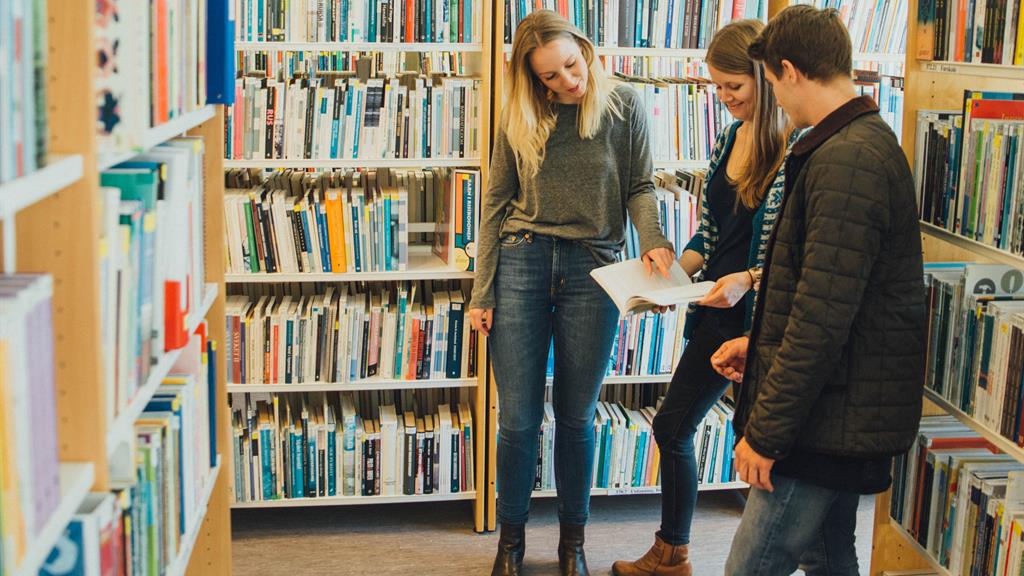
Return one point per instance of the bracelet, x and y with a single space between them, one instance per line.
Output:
752 282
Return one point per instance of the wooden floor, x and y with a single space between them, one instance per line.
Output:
437 539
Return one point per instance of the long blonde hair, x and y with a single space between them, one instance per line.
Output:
728 53
529 114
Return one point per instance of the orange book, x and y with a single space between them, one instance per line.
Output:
414 350
961 24
410 21
336 232
160 61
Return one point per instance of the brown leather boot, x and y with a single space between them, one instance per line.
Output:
511 549
663 559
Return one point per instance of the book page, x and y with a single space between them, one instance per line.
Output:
624 280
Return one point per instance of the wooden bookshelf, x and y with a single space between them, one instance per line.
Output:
938 86
55 230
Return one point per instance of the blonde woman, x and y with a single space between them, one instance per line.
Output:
571 158
741 199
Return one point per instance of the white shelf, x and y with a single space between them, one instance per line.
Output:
880 57
359 46
59 173
632 51
421 267
614 380
394 163
354 500
360 385
158 135
932 563
682 164
121 428
180 564
639 490
75 483
992 252
1007 446
970 69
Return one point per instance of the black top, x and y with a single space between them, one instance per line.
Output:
735 231
859 475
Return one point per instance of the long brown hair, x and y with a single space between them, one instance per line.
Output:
529 115
728 53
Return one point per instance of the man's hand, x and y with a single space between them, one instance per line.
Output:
728 290
482 320
731 358
661 258
753 468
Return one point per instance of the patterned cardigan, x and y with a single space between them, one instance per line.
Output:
706 238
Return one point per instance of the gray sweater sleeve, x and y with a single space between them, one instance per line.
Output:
641 201
502 188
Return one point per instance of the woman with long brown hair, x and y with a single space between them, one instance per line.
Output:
571 157
742 194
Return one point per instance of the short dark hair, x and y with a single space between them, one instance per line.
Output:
815 41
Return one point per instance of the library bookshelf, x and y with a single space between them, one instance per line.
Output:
932 85
423 265
49 226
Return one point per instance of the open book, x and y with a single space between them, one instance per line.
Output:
633 290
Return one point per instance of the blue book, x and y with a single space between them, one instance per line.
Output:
332 465
325 241
211 391
220 54
265 463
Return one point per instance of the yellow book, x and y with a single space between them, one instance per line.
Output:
336 231
12 536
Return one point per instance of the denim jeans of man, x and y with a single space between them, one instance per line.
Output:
694 390
796 525
543 289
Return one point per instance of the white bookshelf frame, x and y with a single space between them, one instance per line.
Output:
614 380
1005 445
157 135
642 490
421 267
75 483
357 386
464 47
120 428
180 564
59 173
323 164
997 254
1005 71
880 57
355 500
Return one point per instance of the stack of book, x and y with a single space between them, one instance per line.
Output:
349 221
151 265
875 26
975 339
346 333
327 445
975 31
29 472
23 49
342 117
357 21
152 62
969 169
641 23
960 499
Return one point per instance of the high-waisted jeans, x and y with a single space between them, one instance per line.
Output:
543 289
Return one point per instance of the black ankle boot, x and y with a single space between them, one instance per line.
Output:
571 559
511 548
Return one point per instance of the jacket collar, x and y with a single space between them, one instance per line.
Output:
833 123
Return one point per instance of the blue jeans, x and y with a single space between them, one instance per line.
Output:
797 525
542 289
694 390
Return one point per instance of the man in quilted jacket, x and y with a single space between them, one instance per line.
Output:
833 371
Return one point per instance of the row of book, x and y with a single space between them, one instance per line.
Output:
344 117
976 31
275 63
141 529
402 331
23 49
626 455
29 468
961 499
976 341
641 23
157 61
349 220
969 168
887 91
683 116
151 262
678 197
875 26
327 445
358 21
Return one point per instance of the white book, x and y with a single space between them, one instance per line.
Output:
389 449
633 290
